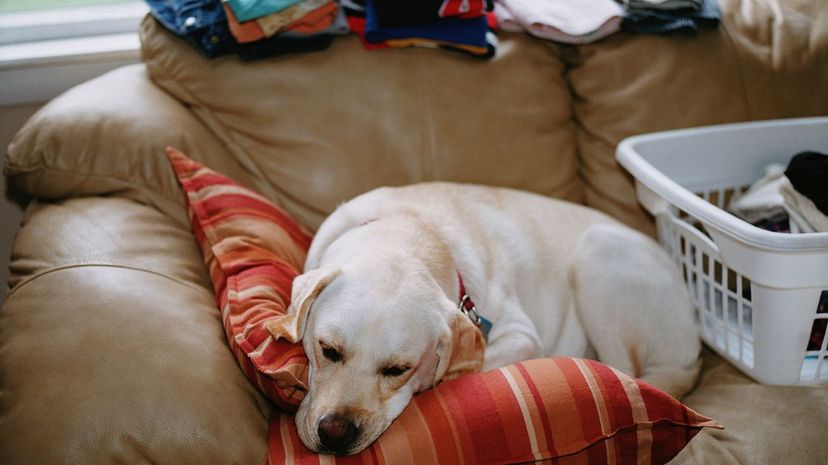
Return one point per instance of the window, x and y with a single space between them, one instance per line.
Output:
17 5
47 46
39 20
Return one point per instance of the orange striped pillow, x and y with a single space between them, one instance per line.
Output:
253 250
560 410
570 410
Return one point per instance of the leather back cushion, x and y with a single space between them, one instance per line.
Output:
768 59
319 128
580 410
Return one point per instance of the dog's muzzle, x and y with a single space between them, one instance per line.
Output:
337 433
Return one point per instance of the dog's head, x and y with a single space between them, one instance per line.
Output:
374 336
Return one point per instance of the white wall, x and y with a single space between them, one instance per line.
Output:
12 119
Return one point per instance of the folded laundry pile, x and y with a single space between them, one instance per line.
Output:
255 29
661 16
585 21
788 199
459 25
252 29
255 20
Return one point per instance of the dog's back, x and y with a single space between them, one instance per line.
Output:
587 283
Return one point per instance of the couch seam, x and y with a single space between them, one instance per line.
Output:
427 130
215 125
70 266
25 170
195 106
244 160
568 64
219 129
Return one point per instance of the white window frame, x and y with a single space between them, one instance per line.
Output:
45 52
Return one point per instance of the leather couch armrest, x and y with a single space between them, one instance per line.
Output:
107 136
104 231
112 348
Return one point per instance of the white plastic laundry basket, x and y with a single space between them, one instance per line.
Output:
756 292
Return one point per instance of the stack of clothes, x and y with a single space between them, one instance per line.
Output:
255 29
465 26
252 29
660 16
585 21
256 20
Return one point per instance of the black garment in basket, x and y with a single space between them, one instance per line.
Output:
808 173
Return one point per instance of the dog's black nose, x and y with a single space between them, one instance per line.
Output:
337 433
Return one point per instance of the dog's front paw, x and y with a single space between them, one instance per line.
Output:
509 349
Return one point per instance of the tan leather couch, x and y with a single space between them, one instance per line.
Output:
111 348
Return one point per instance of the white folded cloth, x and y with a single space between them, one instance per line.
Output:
774 194
809 215
565 21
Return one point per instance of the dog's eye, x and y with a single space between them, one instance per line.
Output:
330 353
394 371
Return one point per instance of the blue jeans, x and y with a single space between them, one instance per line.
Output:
201 23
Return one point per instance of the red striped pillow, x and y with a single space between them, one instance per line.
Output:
564 410
573 411
252 249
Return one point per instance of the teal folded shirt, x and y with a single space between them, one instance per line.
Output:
246 10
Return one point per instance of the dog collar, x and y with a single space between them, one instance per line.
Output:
467 307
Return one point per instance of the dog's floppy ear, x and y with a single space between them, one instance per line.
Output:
306 287
460 349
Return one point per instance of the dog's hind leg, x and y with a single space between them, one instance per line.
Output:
634 307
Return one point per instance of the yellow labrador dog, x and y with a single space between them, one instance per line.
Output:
384 308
